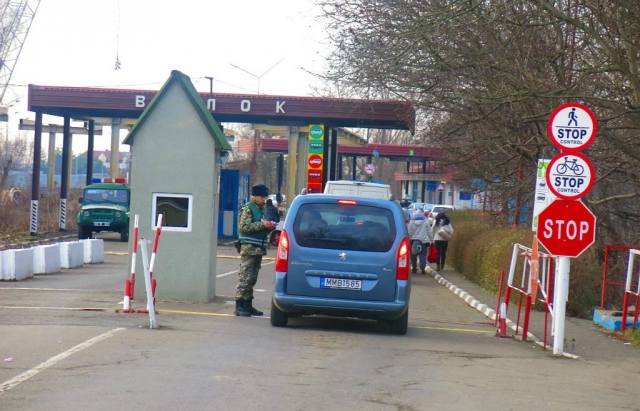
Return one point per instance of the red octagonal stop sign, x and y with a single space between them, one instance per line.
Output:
566 228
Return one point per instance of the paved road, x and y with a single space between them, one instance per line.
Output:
70 350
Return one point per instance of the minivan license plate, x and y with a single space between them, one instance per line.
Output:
340 283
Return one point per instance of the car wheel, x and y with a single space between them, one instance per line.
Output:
278 318
81 233
124 234
400 325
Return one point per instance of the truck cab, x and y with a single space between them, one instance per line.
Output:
105 207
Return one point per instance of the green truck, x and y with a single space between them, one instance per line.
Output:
105 207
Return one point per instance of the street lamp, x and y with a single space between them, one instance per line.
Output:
258 77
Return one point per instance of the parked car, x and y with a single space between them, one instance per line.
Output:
343 256
439 209
421 206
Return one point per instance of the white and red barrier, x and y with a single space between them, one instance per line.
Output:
134 250
629 293
148 267
502 322
536 277
150 282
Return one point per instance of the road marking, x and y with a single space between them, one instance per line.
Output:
237 257
6 307
462 330
7 385
236 271
194 313
115 253
50 289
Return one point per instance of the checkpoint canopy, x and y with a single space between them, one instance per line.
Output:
121 106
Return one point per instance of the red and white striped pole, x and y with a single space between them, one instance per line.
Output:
133 254
502 326
127 296
153 253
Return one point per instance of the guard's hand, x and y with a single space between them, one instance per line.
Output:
269 225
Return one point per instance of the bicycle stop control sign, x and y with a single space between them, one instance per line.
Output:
570 176
572 127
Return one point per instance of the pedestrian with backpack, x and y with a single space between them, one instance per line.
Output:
419 239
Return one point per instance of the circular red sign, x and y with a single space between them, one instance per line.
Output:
572 127
315 161
570 176
369 168
566 228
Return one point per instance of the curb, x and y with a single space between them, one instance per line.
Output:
36 241
486 310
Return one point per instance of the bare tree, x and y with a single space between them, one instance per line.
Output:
488 73
15 155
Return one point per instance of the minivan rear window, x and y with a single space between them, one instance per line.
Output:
344 227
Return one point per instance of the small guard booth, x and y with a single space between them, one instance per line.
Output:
176 147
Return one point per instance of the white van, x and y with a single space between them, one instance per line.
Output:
358 188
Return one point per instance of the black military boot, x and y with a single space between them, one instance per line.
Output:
249 308
241 310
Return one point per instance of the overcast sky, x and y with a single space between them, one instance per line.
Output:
77 42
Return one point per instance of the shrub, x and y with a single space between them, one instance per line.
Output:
481 249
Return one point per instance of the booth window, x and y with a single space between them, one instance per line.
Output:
176 210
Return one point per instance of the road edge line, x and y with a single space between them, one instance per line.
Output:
486 310
7 385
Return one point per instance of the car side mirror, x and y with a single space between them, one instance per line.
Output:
80 200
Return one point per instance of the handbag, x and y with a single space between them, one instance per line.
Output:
445 232
432 256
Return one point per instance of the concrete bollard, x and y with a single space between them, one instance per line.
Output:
17 264
71 254
46 259
93 250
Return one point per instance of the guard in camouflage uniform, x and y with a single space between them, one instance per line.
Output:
254 232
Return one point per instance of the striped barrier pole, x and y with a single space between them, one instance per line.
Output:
147 282
154 251
127 296
133 254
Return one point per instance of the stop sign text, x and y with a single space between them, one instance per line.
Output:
568 229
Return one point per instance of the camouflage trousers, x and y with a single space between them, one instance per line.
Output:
248 273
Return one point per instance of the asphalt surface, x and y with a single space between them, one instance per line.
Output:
66 345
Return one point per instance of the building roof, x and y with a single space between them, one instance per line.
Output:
193 96
102 103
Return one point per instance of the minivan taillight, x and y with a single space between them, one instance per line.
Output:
282 255
402 268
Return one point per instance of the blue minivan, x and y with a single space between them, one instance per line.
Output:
343 256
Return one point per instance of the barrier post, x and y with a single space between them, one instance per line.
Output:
133 254
154 250
127 296
495 320
147 283
525 324
502 327
560 306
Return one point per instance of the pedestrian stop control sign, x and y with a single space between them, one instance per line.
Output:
572 127
570 176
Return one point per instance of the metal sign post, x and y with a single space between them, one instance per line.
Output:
568 227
